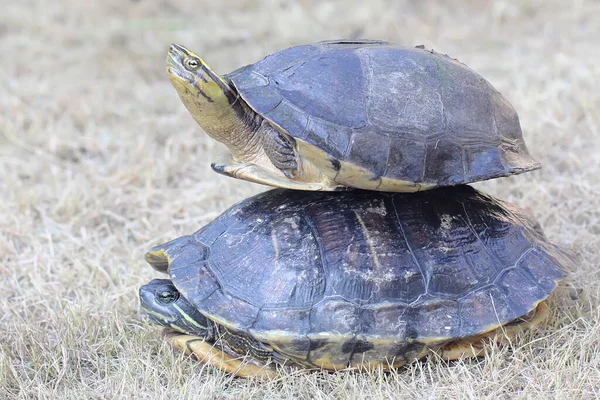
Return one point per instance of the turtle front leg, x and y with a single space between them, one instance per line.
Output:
255 172
206 352
279 149
274 160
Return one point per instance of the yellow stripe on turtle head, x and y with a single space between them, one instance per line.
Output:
189 319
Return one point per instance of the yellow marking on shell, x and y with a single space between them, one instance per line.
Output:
352 175
207 353
245 367
275 245
369 240
188 318
330 357
327 362
158 259
474 346
378 357
281 341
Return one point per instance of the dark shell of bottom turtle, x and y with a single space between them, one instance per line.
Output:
338 279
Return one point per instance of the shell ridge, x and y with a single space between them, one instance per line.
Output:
469 222
410 249
524 269
367 86
441 97
311 226
444 131
318 241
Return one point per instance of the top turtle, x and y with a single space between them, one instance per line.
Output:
363 114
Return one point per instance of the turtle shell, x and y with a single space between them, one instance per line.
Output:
336 279
394 113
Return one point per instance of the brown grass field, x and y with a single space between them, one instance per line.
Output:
99 160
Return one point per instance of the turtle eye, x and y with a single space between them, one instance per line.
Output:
167 297
192 64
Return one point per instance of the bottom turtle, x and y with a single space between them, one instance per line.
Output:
353 279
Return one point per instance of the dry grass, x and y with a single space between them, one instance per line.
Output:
99 161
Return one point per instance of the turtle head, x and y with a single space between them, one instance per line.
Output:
212 100
202 91
167 307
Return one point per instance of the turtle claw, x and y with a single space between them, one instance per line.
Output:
254 173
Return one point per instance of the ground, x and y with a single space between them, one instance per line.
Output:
99 161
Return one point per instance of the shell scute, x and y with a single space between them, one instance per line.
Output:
403 92
406 158
524 289
486 309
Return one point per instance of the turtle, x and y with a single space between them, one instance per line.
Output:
363 114
353 279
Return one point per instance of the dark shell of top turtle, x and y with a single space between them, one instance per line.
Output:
401 113
336 277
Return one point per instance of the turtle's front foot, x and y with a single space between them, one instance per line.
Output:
280 151
254 173
222 169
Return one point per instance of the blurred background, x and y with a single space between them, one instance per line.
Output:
99 161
